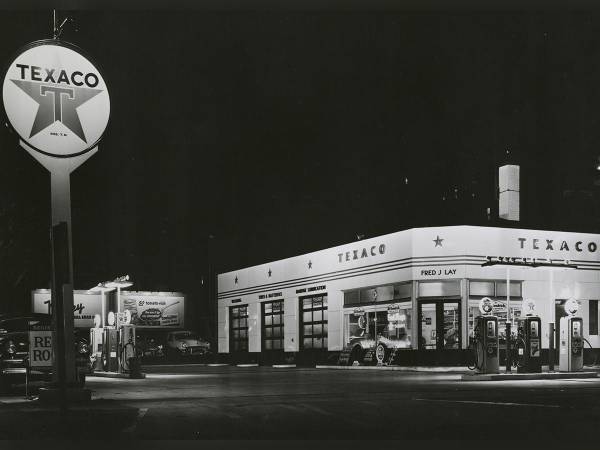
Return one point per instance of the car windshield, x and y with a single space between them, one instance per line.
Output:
186 335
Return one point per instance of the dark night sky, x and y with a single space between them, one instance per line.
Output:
282 133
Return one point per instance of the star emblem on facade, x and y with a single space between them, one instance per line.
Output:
438 241
236 280
269 272
57 104
310 264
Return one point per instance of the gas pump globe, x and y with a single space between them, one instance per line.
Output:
529 346
486 339
571 339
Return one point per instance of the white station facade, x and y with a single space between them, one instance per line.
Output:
420 286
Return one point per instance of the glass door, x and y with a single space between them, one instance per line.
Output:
439 325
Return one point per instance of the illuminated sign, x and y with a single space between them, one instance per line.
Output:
437 272
271 295
523 261
154 311
486 305
365 252
528 307
56 99
571 306
311 289
550 244
86 306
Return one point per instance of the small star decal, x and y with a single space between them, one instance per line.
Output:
236 280
438 241
270 272
310 264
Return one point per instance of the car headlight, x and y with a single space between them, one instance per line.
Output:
82 347
183 345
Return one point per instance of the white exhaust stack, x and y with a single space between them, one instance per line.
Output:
508 183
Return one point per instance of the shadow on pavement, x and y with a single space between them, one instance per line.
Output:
34 420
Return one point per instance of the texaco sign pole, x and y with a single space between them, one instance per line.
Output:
57 102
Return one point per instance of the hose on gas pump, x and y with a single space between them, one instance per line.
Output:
592 348
478 363
518 359
126 360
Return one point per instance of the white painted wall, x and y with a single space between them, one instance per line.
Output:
411 255
290 325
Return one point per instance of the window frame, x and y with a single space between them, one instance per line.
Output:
233 341
323 323
272 326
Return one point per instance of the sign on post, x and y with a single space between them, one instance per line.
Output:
57 102
40 345
56 99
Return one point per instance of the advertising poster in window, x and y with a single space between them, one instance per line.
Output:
85 306
154 311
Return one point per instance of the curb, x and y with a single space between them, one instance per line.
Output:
284 366
529 376
398 368
115 375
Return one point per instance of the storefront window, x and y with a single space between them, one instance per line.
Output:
378 294
496 290
499 311
314 322
393 322
593 315
238 327
272 335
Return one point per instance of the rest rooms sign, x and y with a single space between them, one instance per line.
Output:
40 345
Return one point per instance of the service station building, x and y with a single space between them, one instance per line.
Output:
417 290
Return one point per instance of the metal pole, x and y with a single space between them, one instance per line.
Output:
102 322
508 322
508 355
552 336
551 347
118 299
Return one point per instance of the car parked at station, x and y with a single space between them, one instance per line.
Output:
14 350
181 344
149 346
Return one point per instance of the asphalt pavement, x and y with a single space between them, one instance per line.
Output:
202 402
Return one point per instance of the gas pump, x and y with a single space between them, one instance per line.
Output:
126 346
96 343
110 344
529 346
486 339
571 339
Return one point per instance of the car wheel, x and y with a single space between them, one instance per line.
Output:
381 353
354 356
